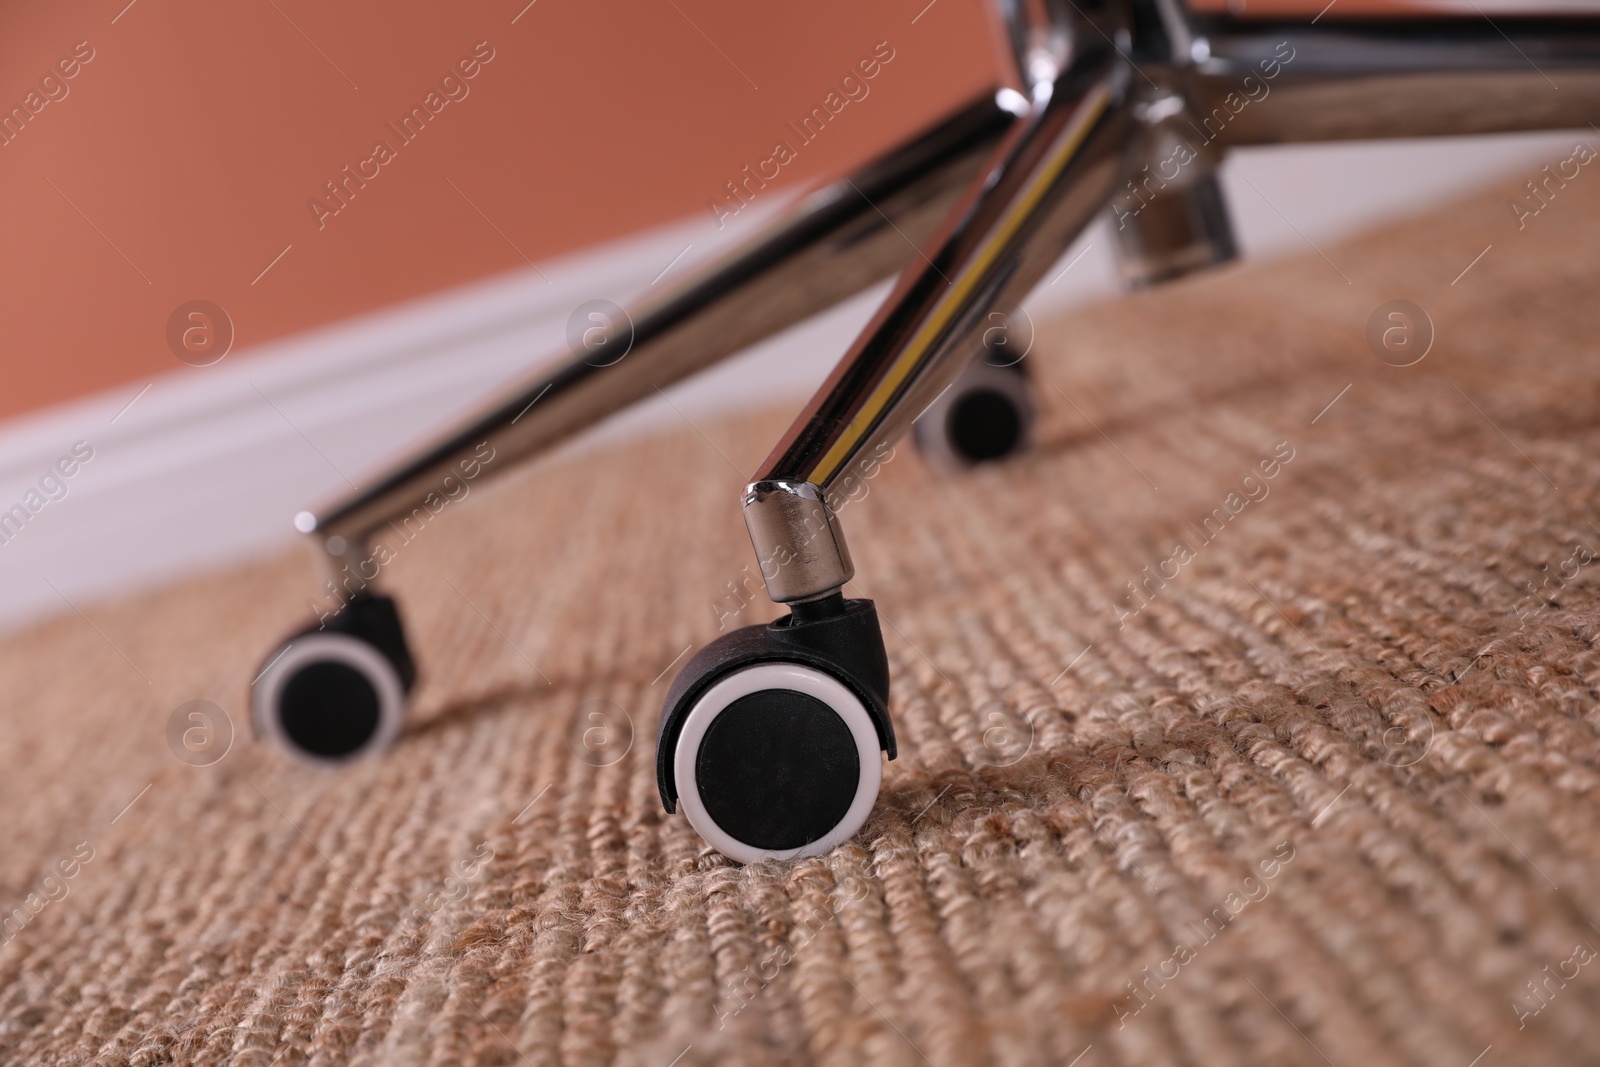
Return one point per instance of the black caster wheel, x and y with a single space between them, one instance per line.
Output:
986 414
335 693
770 736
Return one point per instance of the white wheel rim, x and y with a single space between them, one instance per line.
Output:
755 679
329 648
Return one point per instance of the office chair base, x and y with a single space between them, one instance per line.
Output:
771 735
336 693
987 414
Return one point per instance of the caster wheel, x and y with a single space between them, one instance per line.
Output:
986 414
771 735
337 693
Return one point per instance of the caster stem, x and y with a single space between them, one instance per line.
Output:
819 610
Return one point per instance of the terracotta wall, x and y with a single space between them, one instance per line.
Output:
163 151
178 158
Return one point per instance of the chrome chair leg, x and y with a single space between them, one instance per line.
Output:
1052 174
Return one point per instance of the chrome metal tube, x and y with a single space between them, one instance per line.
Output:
836 242
1053 172
1343 80
1047 180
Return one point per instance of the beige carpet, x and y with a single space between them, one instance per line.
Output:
1329 797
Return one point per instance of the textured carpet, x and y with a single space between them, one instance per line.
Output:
1322 790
